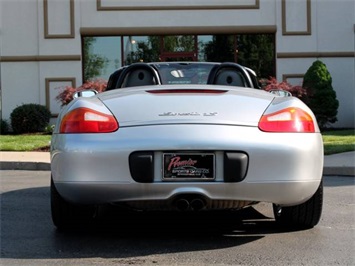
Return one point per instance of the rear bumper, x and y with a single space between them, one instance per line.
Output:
282 193
285 169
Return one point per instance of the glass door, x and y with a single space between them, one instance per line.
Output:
178 48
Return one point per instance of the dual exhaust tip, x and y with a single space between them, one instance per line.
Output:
194 204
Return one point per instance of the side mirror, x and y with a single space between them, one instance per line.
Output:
281 93
86 93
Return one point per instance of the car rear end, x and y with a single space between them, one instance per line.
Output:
195 147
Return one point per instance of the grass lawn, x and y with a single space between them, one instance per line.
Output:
338 141
27 142
334 142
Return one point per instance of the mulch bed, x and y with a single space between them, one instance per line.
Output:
43 149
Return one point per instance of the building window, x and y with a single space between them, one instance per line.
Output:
103 55
140 49
257 51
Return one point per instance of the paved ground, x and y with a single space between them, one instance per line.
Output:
342 164
250 237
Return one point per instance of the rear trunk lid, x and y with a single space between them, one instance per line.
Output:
194 104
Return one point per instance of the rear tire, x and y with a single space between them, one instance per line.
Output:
66 215
303 216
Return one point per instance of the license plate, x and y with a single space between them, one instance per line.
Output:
188 166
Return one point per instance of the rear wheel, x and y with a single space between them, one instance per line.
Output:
66 215
303 216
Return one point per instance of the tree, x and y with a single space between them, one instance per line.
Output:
321 97
93 63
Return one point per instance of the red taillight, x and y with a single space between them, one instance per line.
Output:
287 120
85 120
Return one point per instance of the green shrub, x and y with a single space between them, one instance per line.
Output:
321 97
29 118
4 127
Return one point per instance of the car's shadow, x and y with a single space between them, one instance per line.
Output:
27 231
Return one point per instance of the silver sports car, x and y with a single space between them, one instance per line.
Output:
186 136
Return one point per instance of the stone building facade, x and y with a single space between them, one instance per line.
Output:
42 40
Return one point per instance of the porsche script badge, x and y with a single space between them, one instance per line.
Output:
188 114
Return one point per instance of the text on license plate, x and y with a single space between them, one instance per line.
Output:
188 165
